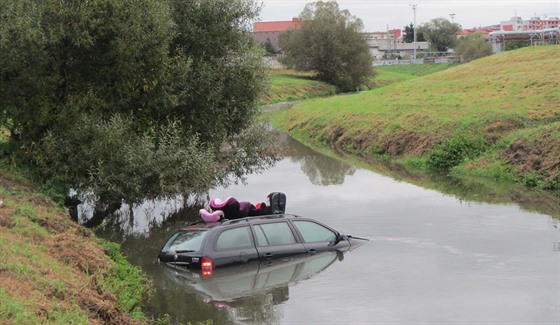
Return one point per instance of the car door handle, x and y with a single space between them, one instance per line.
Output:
268 256
312 251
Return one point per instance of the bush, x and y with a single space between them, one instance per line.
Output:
454 151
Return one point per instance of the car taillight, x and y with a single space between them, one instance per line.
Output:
206 266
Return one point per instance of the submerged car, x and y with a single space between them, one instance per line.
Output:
236 283
207 246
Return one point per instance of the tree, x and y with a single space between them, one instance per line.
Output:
473 46
329 43
409 34
269 47
132 99
440 33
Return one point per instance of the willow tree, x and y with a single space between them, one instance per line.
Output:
329 42
472 47
440 33
132 99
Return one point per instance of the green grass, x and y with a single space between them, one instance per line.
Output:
55 271
290 85
389 74
502 98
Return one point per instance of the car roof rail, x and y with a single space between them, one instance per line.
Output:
263 217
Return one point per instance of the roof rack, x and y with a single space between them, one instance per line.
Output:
248 219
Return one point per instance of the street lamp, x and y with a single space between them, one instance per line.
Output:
414 10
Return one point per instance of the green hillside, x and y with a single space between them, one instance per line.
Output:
290 85
499 114
388 74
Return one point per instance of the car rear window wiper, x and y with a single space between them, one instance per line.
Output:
185 251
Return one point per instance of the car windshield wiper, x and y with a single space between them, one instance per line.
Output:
185 251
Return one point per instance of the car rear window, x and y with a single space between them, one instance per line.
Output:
189 240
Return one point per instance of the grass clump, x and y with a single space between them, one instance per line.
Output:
126 281
455 151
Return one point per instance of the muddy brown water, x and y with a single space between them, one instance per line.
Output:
432 257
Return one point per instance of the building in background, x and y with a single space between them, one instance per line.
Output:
485 31
534 23
268 31
517 32
389 45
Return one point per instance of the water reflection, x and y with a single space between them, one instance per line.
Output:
251 291
320 169
325 171
443 251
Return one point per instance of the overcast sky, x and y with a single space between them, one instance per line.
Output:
377 15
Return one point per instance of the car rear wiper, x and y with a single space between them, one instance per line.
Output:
185 251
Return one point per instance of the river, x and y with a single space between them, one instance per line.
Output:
432 257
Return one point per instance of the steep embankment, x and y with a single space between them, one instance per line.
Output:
55 271
496 117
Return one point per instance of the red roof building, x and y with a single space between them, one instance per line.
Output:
269 30
481 30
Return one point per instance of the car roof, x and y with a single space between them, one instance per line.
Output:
203 225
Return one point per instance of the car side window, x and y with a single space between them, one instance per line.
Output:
314 232
234 238
277 233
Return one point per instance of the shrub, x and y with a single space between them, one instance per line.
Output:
454 151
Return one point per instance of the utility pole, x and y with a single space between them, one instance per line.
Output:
414 10
452 17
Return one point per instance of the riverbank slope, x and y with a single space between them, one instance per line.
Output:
497 117
56 271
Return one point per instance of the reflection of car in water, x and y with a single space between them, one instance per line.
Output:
231 284
240 241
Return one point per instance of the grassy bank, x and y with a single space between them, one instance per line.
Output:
390 74
55 271
497 117
290 85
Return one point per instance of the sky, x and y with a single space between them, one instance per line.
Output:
378 15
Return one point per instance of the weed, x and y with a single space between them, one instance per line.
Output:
127 282
454 151
16 310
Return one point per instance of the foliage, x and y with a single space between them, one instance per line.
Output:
515 44
269 47
159 163
454 151
408 35
329 42
440 33
472 47
218 92
133 99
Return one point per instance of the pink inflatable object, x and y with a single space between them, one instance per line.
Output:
211 216
216 204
